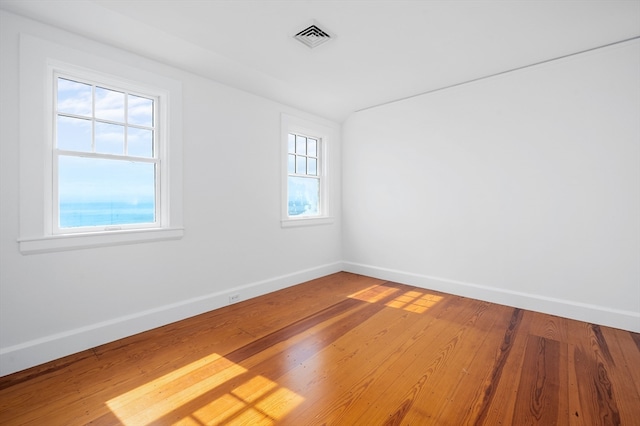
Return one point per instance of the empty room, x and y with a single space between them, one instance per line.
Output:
319 212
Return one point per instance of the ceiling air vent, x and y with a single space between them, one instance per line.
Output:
312 36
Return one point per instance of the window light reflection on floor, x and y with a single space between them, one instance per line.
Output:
412 301
374 294
256 400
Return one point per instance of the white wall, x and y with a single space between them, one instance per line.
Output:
522 189
59 303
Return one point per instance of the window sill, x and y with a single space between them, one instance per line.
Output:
98 239
306 221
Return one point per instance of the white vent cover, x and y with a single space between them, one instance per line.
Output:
312 36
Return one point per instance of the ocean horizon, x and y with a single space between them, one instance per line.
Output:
74 215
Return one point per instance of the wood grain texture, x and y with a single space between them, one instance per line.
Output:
537 400
343 350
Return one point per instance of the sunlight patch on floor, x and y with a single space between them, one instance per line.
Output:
412 301
256 401
204 384
374 293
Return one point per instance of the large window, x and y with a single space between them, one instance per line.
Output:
106 162
100 149
305 177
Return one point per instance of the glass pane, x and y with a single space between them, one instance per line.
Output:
100 192
109 105
312 165
74 134
74 97
140 111
312 147
292 143
301 165
109 138
291 168
139 142
301 145
303 196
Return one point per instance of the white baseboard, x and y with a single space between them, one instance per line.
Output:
625 320
35 352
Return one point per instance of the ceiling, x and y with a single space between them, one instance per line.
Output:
381 50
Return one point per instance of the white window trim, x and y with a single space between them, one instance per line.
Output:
292 124
38 59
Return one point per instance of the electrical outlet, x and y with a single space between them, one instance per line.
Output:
234 298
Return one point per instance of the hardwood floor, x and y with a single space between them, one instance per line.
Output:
343 350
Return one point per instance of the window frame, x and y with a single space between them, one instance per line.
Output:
39 59
323 134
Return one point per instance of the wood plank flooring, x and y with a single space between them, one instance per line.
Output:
343 350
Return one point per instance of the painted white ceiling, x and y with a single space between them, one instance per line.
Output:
382 50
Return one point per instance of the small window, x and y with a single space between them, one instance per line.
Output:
305 187
105 159
303 179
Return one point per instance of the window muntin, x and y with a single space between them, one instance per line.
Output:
303 176
105 158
